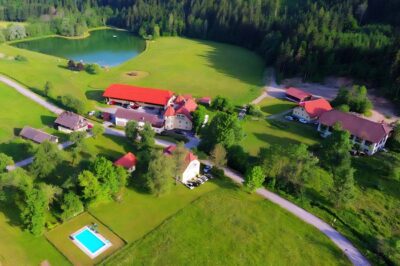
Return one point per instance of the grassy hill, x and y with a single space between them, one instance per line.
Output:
186 66
229 227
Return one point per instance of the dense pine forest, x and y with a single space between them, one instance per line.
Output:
359 38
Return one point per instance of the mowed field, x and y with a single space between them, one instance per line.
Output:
18 247
183 65
262 132
19 111
230 227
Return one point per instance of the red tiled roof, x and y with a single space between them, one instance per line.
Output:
138 94
297 93
189 157
316 107
179 99
127 161
357 126
190 105
206 100
169 112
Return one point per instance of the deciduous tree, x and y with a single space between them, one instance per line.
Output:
254 178
47 157
71 206
160 174
5 161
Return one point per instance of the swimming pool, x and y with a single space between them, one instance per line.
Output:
91 243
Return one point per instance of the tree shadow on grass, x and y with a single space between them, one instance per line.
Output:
47 120
9 208
18 149
235 62
95 95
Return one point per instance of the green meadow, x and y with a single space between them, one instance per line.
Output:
183 65
230 227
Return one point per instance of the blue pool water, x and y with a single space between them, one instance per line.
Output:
90 240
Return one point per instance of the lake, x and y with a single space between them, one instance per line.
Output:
103 47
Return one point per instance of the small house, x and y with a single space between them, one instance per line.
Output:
311 110
192 163
37 135
204 101
297 95
68 122
128 161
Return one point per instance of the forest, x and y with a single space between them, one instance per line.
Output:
358 38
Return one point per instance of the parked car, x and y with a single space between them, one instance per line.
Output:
199 180
289 117
193 184
203 178
207 169
189 186
91 113
209 176
303 121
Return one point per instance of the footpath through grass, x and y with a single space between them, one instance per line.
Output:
228 227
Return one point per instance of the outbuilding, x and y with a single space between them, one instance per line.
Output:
297 95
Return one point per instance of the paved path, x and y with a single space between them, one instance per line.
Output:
29 160
31 95
345 245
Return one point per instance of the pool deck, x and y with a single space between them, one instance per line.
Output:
107 243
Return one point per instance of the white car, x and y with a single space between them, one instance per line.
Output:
302 120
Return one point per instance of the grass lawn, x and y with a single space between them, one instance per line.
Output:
59 237
18 247
229 227
271 106
262 133
140 213
19 111
182 65
197 67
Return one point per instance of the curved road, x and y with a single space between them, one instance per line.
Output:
351 252
343 243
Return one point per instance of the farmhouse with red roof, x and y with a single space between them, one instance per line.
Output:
297 95
151 105
128 161
368 135
192 164
311 110
178 115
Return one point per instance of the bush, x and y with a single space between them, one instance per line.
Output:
254 110
217 172
344 108
93 69
175 136
73 103
20 58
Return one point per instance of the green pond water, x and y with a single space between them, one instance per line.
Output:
103 47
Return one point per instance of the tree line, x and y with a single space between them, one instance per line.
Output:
308 38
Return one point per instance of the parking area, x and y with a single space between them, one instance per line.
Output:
201 179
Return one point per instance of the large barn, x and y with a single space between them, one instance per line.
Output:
121 94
